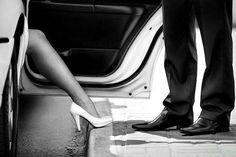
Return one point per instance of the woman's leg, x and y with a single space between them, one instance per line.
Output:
52 67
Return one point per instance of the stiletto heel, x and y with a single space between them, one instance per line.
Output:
77 111
77 120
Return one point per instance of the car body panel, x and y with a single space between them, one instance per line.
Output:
10 11
5 55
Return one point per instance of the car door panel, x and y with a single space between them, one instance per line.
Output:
109 45
89 30
76 58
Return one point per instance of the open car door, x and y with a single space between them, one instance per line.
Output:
109 45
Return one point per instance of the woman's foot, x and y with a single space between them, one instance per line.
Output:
77 111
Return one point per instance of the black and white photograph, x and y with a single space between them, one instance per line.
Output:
117 78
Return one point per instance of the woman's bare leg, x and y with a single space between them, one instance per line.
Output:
52 67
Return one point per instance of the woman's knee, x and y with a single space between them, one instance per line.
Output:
36 33
35 38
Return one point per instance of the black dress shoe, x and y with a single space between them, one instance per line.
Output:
204 126
163 121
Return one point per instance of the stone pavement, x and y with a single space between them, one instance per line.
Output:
120 140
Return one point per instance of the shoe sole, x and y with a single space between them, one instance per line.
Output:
178 127
217 130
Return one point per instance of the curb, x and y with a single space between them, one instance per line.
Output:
99 139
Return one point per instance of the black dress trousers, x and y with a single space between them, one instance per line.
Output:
214 18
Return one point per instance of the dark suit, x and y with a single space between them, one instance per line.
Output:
214 18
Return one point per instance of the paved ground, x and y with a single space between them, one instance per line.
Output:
46 128
119 139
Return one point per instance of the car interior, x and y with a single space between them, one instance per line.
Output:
91 36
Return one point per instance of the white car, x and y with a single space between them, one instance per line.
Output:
109 45
13 43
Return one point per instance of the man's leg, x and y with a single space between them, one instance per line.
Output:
181 57
217 97
215 22
180 66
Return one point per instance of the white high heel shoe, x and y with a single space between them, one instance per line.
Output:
77 111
